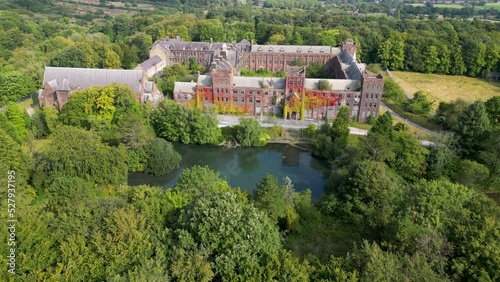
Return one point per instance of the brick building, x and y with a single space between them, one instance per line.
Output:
295 96
175 50
59 83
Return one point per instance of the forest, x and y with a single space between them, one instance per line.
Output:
392 209
31 40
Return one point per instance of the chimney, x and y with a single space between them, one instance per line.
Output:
211 40
252 41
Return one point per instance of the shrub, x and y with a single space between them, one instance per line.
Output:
419 105
162 157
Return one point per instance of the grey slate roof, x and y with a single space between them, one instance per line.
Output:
294 49
336 84
222 64
185 87
205 80
151 62
84 78
178 44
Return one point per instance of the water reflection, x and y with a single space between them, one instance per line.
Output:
245 167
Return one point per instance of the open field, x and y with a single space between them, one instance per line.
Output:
446 87
111 8
451 6
495 6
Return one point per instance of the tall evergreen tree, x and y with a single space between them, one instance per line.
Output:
473 127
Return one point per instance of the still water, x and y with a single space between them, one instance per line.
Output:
245 167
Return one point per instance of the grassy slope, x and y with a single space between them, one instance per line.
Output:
447 88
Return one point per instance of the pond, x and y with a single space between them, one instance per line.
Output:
245 167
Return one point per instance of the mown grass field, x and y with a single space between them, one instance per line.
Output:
457 6
446 87
495 6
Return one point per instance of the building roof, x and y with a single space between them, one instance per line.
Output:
223 64
179 44
336 84
150 63
259 82
185 87
295 49
205 80
84 78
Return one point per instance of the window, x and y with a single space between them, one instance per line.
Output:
250 100
371 96
374 105
242 99
226 99
185 96
348 95
347 103
376 96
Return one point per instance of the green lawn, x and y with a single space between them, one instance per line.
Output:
495 6
447 87
452 6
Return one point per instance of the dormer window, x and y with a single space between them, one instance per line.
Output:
322 51
271 49
282 50
260 49
299 50
310 50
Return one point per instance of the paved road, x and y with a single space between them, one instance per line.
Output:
226 120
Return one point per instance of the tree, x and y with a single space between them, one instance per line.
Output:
297 38
447 113
16 118
329 37
235 250
409 156
391 52
8 127
419 104
431 59
332 140
444 57
249 133
270 197
162 157
15 85
75 152
72 56
471 174
443 155
493 109
473 126
324 85
276 39
369 192
383 125
176 122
